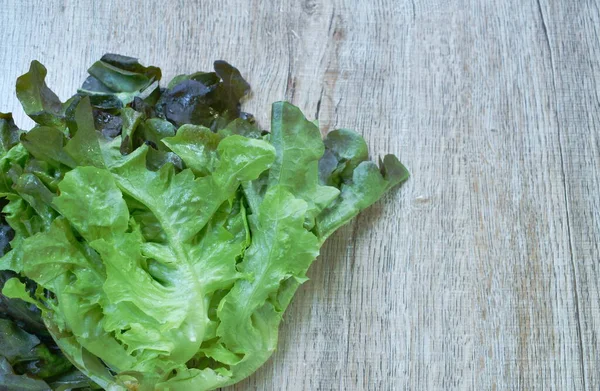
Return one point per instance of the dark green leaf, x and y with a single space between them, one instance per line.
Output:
92 84
196 146
241 127
44 363
132 65
155 159
141 106
39 102
153 131
17 345
131 120
6 232
117 80
123 74
9 381
47 144
9 133
83 146
32 190
72 380
209 79
393 171
345 149
107 102
368 185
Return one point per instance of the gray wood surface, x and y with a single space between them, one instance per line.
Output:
483 271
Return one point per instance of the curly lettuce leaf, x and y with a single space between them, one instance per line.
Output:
38 101
197 147
114 265
367 185
281 248
299 147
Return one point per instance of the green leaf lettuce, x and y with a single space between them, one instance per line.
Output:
164 233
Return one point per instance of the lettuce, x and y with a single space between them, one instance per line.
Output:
164 232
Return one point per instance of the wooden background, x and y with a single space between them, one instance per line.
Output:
482 272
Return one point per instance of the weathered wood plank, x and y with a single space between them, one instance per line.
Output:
527 334
482 272
571 30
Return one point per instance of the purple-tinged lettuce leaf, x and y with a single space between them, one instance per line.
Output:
208 99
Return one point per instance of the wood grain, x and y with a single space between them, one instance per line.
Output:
483 271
